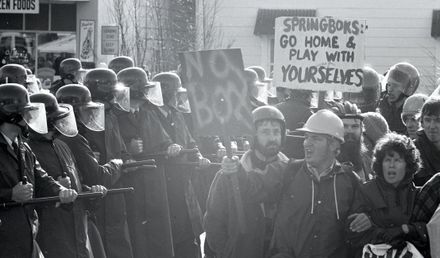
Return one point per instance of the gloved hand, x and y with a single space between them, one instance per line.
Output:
230 165
389 235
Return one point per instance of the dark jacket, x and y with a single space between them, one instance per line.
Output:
221 219
312 214
19 225
111 217
430 159
389 208
63 231
148 212
90 171
186 214
296 113
392 114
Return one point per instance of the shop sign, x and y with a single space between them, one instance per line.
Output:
109 40
19 6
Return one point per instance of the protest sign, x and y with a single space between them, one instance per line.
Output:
217 91
319 53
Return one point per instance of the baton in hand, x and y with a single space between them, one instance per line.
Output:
147 164
44 200
164 153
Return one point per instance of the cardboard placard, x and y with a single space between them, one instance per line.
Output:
217 91
319 53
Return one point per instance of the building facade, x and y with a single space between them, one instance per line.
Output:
40 39
398 30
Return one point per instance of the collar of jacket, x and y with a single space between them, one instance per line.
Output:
246 161
3 140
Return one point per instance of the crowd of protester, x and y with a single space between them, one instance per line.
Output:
354 176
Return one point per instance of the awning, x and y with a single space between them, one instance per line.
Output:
265 24
65 44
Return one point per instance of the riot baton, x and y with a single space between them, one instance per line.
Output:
147 164
163 153
44 200
191 163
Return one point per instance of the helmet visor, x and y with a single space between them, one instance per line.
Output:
121 98
34 114
183 102
66 123
92 116
154 94
260 92
32 85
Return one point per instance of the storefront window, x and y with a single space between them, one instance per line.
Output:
17 48
52 49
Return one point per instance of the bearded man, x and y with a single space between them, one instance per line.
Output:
221 220
353 149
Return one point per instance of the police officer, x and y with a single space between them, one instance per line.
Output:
112 221
119 63
402 80
63 232
368 99
22 176
15 73
70 72
89 115
143 133
184 207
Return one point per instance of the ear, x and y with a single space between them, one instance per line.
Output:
334 145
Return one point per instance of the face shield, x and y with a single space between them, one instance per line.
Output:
32 84
182 101
34 114
121 98
92 116
65 123
154 94
259 91
151 92
271 89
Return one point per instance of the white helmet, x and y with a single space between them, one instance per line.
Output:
325 122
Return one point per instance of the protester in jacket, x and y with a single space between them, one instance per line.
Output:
428 141
316 197
320 197
63 231
391 196
353 149
21 176
411 112
221 223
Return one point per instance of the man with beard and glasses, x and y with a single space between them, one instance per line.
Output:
353 149
221 220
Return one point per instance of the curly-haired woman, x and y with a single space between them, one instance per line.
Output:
390 197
